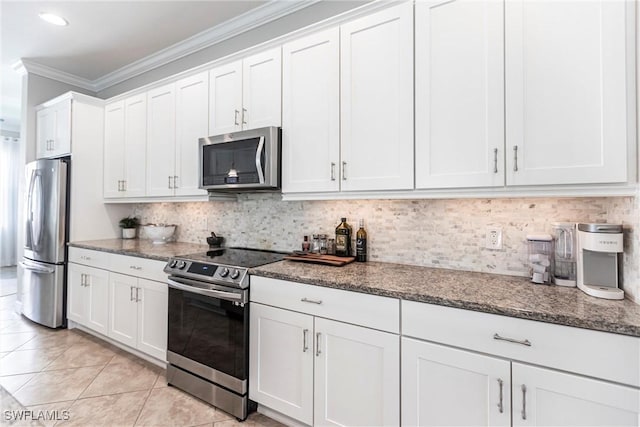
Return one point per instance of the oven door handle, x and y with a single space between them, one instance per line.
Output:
228 296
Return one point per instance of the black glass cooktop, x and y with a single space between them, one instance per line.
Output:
237 257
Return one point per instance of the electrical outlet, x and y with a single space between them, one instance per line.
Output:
493 238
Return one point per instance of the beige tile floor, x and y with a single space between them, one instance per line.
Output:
84 381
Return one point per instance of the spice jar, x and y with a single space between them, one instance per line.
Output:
315 244
323 244
331 246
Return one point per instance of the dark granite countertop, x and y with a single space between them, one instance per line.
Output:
490 293
141 248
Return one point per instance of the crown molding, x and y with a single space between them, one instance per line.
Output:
53 73
247 21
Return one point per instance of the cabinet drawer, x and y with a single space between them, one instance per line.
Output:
89 257
140 267
352 307
593 353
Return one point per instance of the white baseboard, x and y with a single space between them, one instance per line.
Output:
281 418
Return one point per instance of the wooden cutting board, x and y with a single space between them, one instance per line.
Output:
320 259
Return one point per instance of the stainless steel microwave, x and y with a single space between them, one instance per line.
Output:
241 161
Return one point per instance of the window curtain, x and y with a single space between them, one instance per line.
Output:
9 172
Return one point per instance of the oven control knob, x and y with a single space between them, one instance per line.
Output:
224 272
181 265
173 263
235 274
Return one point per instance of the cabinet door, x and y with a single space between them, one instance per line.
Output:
566 93
192 115
113 150
61 144
261 90
438 381
152 298
45 132
161 140
542 397
135 130
123 313
76 298
357 375
377 101
97 290
281 361
459 94
225 98
311 113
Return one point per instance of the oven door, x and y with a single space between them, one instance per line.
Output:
209 332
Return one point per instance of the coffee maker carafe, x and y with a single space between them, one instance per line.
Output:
599 249
564 270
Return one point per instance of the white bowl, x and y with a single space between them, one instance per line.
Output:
159 233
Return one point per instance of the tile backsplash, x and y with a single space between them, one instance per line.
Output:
446 233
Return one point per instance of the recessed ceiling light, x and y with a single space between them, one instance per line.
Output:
53 19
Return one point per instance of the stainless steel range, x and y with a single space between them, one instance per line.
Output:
208 339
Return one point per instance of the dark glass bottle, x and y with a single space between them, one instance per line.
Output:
361 243
343 238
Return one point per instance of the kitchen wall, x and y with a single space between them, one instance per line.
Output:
435 233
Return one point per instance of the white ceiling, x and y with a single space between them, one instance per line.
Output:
101 38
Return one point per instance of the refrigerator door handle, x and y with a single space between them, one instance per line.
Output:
29 236
36 268
36 220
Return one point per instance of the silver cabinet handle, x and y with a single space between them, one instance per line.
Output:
131 293
235 118
515 158
244 113
500 405
524 402
311 301
119 185
124 185
305 346
81 279
175 181
333 171
344 171
521 342
318 351
170 183
87 280
495 160
138 295
53 144
135 267
88 258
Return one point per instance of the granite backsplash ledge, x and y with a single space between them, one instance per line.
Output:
447 233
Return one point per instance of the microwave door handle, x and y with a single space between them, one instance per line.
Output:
259 159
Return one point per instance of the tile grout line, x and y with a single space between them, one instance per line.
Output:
146 399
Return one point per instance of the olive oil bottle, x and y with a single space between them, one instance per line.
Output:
361 243
343 238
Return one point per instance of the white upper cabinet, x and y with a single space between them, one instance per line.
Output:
566 92
262 90
192 106
161 125
377 101
114 149
311 113
225 98
53 130
246 94
459 96
125 141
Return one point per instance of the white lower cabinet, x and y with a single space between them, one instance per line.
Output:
88 290
542 397
447 386
320 371
138 313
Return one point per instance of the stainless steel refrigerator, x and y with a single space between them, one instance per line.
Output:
42 271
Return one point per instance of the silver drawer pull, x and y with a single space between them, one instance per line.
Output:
522 342
135 267
318 351
88 258
312 301
305 346
500 405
